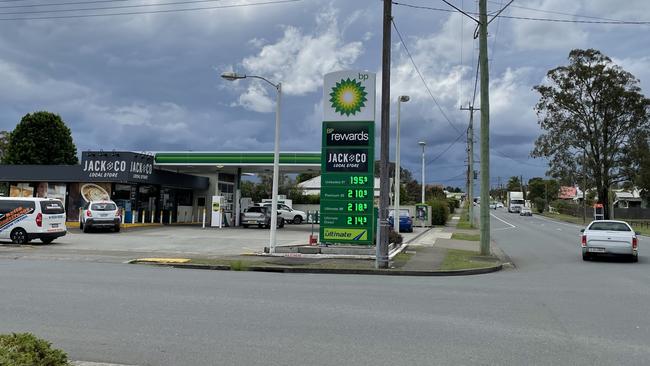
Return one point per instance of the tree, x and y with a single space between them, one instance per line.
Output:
543 190
41 138
514 184
590 106
4 144
302 177
434 193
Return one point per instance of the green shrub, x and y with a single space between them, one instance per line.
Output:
24 349
539 204
394 237
439 212
453 204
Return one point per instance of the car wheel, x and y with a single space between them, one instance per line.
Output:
245 226
281 223
635 258
297 220
86 229
586 257
19 236
117 228
47 241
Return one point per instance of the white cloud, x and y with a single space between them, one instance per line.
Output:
639 67
299 60
541 35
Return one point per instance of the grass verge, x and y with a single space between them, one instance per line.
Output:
463 236
463 223
465 259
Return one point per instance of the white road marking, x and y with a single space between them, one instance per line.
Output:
504 221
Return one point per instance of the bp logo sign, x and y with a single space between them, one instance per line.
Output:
349 96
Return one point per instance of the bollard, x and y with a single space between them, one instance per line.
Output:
170 217
123 215
144 214
134 214
204 218
153 214
161 217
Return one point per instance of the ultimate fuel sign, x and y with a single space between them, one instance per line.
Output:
347 158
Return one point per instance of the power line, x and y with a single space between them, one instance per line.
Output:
447 149
110 7
422 78
622 22
59 4
561 13
152 11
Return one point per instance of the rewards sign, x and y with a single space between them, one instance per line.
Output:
347 158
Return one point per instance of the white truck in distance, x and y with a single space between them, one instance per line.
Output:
515 201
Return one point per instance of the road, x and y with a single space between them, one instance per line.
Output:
553 308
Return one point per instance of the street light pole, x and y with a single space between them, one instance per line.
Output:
232 76
403 98
422 143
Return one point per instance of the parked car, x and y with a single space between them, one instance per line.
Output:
499 204
289 214
260 216
609 237
493 206
525 211
23 219
100 215
405 220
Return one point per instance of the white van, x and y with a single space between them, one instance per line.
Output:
24 218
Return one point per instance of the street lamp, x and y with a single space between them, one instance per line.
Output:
232 76
422 143
402 99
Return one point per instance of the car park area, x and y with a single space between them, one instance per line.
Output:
179 240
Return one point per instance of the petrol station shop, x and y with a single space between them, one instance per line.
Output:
159 187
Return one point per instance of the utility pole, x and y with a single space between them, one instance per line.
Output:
470 161
584 188
384 186
485 129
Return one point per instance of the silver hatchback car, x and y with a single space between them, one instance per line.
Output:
609 237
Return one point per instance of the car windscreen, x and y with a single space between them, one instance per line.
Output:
257 209
609 226
103 207
52 207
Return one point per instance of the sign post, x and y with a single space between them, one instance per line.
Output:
347 158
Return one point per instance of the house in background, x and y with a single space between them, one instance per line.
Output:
624 198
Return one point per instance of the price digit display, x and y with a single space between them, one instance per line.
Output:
357 180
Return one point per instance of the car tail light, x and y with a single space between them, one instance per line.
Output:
88 213
635 243
39 219
584 240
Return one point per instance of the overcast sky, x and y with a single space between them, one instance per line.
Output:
150 82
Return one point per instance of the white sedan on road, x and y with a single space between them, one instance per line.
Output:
609 237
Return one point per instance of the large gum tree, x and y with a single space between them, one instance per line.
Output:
592 107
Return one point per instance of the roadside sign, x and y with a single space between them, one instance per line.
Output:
347 158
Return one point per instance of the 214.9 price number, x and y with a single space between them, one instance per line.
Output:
357 220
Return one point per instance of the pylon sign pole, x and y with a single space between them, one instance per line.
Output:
347 158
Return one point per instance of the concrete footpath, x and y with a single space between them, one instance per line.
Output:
433 252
